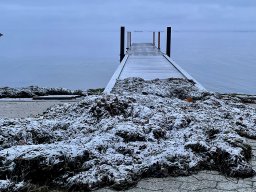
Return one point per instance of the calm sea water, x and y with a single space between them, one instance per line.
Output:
220 61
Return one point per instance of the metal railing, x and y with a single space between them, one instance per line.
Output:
129 41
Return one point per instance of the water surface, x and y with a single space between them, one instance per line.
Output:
223 61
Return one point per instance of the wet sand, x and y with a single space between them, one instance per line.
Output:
26 108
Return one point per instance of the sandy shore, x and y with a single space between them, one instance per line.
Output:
26 107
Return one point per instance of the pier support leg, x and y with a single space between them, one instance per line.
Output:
168 41
159 40
122 43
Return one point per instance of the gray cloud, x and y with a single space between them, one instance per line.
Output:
144 13
64 26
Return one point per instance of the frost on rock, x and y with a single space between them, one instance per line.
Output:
7 185
143 129
31 91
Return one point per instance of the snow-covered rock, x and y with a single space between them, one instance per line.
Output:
143 129
32 91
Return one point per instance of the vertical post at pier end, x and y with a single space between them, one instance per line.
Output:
168 41
159 40
122 43
154 38
130 39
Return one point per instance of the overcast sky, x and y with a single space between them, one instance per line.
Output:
110 14
51 24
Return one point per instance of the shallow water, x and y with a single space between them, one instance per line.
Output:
220 61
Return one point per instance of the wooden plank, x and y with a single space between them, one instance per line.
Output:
149 68
144 49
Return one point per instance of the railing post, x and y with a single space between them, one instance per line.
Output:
122 43
168 41
128 41
154 39
159 40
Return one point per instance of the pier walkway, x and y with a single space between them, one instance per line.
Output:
146 61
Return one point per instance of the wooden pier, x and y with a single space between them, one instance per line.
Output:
146 61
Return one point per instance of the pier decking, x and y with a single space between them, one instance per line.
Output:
146 61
